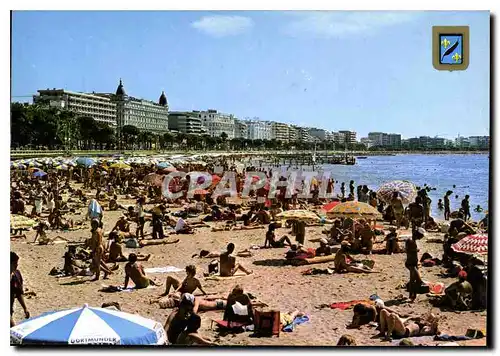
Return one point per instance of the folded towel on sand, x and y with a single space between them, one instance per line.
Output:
167 269
350 304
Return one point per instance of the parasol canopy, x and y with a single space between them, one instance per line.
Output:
406 190
88 326
85 161
39 174
21 222
154 179
473 244
120 165
169 169
298 215
163 165
330 206
354 210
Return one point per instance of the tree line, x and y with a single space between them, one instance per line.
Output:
42 127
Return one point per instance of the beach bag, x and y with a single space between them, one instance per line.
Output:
132 243
267 322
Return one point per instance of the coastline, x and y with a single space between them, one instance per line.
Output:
21 154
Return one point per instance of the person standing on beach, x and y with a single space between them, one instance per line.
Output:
351 188
139 209
412 262
397 208
447 205
466 208
342 190
416 213
97 248
16 287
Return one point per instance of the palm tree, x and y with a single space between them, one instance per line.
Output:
129 135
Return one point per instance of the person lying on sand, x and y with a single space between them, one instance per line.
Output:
271 238
135 271
188 285
208 254
392 325
228 265
341 264
182 227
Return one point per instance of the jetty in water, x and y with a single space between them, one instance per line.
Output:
310 158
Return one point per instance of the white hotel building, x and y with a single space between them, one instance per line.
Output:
259 130
216 123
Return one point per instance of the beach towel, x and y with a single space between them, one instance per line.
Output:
297 321
113 289
446 337
229 325
168 269
350 304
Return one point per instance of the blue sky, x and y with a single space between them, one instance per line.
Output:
364 71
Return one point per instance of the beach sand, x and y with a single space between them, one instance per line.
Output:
282 287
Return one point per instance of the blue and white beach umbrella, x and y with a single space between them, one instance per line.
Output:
88 326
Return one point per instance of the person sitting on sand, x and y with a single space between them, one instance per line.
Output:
122 225
430 224
392 325
459 225
392 242
71 268
238 295
135 272
190 335
458 295
228 265
188 285
180 318
271 238
116 250
367 235
182 227
341 264
113 203
336 234
324 249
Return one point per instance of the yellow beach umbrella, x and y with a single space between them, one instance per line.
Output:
354 210
120 165
298 215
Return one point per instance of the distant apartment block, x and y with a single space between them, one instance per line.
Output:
240 129
346 137
102 109
185 122
382 139
259 130
479 141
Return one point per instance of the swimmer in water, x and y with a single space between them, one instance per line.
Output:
478 209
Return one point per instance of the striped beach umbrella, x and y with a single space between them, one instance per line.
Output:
406 190
88 326
473 244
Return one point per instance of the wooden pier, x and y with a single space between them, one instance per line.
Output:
310 159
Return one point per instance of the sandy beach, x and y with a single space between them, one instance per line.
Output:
282 287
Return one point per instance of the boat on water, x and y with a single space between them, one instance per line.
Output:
361 157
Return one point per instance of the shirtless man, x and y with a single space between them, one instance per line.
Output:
116 251
122 224
228 265
97 248
135 272
188 285
397 208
